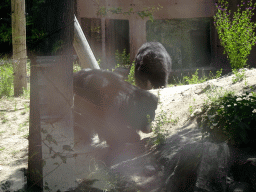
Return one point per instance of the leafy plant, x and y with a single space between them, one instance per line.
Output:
178 81
158 130
2 148
26 92
239 76
218 74
191 109
194 79
131 78
99 62
6 33
159 122
25 136
76 67
6 80
174 121
230 118
236 34
122 58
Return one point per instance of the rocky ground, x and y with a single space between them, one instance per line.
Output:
178 104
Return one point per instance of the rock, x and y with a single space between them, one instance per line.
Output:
200 167
149 170
245 171
213 170
240 187
183 177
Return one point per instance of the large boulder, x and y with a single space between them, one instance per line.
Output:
200 167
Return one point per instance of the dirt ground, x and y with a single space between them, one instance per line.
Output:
178 103
14 125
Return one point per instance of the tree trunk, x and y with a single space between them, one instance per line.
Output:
19 46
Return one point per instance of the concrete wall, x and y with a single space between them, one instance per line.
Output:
192 42
137 26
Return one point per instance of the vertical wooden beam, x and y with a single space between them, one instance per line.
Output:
19 46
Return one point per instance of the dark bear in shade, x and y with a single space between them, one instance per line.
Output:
152 66
111 107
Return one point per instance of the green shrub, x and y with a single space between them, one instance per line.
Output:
76 67
123 58
159 132
218 74
194 79
6 80
131 78
230 118
239 76
236 34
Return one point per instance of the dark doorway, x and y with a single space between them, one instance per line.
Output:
116 38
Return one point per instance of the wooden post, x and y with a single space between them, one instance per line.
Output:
83 49
19 46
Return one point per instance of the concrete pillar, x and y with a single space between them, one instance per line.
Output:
103 32
137 35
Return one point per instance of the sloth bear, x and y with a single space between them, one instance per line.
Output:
111 107
152 66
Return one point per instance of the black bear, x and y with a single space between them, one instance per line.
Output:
111 107
152 66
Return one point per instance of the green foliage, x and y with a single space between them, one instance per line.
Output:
2 148
6 80
131 78
76 67
158 130
146 12
159 122
194 79
99 62
26 93
122 58
5 18
218 74
239 76
214 93
57 46
5 33
236 34
230 118
191 109
174 121
33 15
